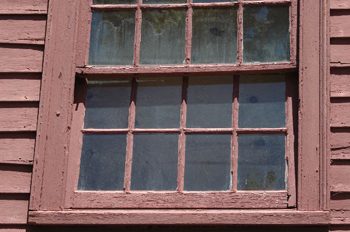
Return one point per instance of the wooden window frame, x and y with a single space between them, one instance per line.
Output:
66 57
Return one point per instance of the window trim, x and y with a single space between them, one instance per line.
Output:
51 156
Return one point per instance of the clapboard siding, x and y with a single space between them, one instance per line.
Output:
18 90
13 229
340 51
14 209
18 117
340 82
340 26
340 143
15 178
28 29
17 148
339 4
340 109
340 173
23 6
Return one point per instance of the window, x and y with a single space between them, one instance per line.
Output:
62 131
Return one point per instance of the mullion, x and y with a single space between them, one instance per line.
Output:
240 33
234 147
188 35
137 39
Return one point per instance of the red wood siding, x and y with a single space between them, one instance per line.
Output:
22 36
339 171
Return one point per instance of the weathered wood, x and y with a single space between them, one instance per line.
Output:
340 82
340 201
23 29
179 217
343 228
339 4
15 178
339 24
340 144
21 58
14 209
18 117
339 51
14 229
339 113
23 6
340 217
19 89
17 148
181 200
339 177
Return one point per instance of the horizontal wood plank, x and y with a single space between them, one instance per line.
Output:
18 117
22 29
17 148
265 200
19 90
339 4
340 26
340 144
13 229
340 113
13 211
340 53
179 217
339 177
340 82
15 178
23 6
16 58
340 217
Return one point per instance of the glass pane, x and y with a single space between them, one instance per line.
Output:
214 38
112 38
261 162
163 37
158 103
266 34
113 1
209 102
262 101
107 104
208 162
164 1
102 162
154 162
199 1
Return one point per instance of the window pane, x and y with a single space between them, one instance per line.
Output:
262 101
113 1
214 37
266 34
163 37
164 1
112 38
209 102
102 162
154 163
158 103
261 162
107 104
208 162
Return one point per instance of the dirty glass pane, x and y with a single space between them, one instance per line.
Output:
262 101
154 163
113 1
112 38
214 36
158 102
205 1
261 162
102 162
107 104
163 37
266 34
164 1
209 102
208 162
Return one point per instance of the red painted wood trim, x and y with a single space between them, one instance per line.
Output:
139 199
179 217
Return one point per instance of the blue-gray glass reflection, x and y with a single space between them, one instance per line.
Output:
209 102
158 102
266 34
163 37
102 162
112 38
154 163
261 162
207 163
214 36
262 101
107 104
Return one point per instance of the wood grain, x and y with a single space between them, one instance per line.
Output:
22 29
339 4
23 6
18 117
340 82
21 58
339 113
179 217
15 178
340 53
13 211
19 90
339 180
340 144
339 24
340 217
17 148
14 229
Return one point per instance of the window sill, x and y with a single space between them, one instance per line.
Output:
179 217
